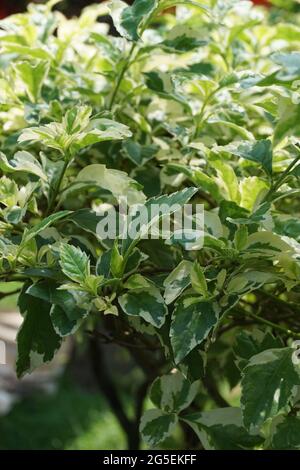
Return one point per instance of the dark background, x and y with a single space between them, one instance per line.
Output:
69 7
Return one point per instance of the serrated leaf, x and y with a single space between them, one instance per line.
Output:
37 340
65 314
74 263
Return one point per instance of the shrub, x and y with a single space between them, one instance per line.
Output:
201 107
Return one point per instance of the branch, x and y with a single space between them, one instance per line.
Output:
140 398
3 295
106 385
112 339
274 325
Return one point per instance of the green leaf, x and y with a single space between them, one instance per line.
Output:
249 344
199 283
239 130
268 383
32 76
102 130
164 85
182 39
252 190
156 426
199 178
192 321
75 132
65 315
290 63
36 229
155 208
40 53
74 263
267 243
128 20
137 153
222 429
136 281
115 181
173 393
227 179
22 161
37 340
288 122
194 364
177 281
259 151
241 237
248 281
64 323
146 303
86 219
116 262
286 434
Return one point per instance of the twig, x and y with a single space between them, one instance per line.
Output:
3 295
274 325
112 339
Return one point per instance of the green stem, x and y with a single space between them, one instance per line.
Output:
127 62
121 76
283 177
199 118
3 295
274 325
57 187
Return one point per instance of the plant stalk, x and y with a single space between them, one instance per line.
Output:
57 188
121 76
